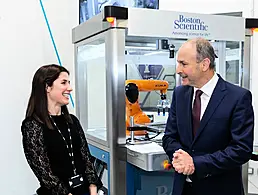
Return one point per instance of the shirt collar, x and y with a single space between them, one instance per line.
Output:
210 86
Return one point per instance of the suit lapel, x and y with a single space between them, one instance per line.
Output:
216 98
188 113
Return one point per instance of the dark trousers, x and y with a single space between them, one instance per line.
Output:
188 189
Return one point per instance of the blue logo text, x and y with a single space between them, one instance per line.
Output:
189 23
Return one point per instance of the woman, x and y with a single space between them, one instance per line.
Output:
53 140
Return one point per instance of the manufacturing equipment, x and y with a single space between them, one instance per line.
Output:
122 52
133 108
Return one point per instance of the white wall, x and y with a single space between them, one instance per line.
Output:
24 46
210 6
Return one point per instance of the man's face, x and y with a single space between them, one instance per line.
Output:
187 67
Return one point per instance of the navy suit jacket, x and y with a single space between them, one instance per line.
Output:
223 142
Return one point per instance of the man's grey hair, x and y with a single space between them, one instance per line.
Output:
205 50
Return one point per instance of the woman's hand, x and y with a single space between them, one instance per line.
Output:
93 189
69 194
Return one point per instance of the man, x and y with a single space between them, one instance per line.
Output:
209 132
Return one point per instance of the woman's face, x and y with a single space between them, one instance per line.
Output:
58 94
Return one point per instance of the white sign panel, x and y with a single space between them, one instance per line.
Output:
160 23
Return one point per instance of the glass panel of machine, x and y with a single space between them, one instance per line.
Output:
234 62
146 59
91 61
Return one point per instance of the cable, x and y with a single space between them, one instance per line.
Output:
147 138
53 41
150 138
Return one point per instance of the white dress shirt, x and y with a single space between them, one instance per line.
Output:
207 90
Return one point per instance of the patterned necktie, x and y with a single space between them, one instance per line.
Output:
196 111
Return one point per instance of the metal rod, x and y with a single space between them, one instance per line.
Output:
131 125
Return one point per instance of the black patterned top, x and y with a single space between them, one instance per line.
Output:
49 159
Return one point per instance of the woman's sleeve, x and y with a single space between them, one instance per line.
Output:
36 155
90 170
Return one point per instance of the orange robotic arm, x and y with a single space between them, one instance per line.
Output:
132 99
150 85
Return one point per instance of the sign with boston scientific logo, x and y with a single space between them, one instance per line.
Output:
185 25
190 26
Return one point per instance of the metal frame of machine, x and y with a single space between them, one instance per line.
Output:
115 26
